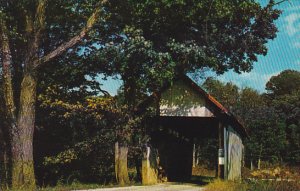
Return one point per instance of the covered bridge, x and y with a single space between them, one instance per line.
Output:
184 112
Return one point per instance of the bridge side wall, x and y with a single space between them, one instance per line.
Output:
233 154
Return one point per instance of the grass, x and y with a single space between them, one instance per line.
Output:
259 185
64 187
252 181
73 186
257 180
219 185
67 187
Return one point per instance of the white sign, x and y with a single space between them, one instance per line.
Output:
221 160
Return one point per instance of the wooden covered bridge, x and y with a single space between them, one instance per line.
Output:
185 111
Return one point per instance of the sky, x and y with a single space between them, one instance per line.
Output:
283 53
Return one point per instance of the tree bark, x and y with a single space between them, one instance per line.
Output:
4 156
21 123
22 139
8 95
121 153
2 159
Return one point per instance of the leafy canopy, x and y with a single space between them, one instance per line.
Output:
217 34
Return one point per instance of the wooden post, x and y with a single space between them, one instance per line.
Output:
149 172
121 169
221 160
194 153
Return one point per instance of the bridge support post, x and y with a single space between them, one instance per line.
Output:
221 159
149 171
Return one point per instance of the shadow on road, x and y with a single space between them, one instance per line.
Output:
197 180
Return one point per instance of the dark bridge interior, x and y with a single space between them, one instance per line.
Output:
174 142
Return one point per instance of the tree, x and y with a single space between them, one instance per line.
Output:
92 126
265 127
162 39
29 39
266 134
283 92
278 85
221 35
143 71
227 93
4 145
225 35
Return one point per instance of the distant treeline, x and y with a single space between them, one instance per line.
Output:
272 119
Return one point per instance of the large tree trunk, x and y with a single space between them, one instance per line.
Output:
21 124
22 137
121 169
4 158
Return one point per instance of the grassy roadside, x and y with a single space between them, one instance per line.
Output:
68 187
74 186
258 185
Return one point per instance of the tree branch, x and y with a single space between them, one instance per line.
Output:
36 26
73 41
104 92
273 3
7 76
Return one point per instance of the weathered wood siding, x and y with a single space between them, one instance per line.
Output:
181 100
233 154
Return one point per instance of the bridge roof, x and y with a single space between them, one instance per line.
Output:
218 110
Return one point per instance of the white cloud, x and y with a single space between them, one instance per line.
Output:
292 24
297 44
292 28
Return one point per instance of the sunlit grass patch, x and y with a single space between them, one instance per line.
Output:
274 186
220 185
258 185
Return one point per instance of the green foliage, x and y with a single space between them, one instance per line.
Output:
220 35
267 135
145 43
86 154
227 93
284 95
93 126
278 85
207 152
265 126
142 69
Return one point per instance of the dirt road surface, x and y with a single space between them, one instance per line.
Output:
157 187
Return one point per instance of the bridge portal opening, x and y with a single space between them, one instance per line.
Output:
174 140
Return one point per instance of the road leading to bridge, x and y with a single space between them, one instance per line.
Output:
157 187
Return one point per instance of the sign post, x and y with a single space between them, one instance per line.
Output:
221 160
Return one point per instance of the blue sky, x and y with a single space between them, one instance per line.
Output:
283 53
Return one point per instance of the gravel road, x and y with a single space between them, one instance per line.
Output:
157 187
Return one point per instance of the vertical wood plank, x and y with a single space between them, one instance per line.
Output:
221 152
